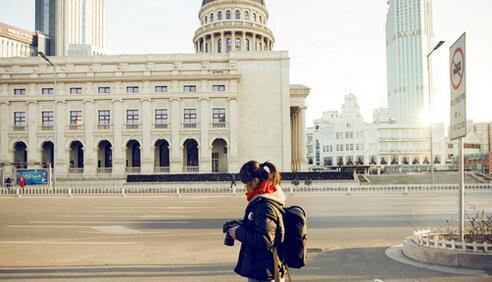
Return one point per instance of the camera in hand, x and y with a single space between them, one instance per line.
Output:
229 241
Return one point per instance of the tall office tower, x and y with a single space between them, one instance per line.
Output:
75 27
408 38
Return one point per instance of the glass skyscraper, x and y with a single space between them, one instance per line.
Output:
408 38
74 27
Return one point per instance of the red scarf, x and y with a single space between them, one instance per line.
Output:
266 187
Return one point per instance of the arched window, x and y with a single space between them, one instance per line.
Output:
247 45
206 19
219 15
246 15
238 44
229 45
261 19
238 14
211 17
254 17
219 45
228 14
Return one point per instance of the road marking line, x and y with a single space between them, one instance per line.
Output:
65 243
115 230
47 226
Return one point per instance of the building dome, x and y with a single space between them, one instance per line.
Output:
233 26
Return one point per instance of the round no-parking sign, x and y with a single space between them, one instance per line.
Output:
457 68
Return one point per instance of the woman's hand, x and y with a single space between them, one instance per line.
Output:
232 231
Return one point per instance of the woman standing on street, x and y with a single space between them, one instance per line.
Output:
262 229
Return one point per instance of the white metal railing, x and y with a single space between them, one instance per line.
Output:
161 169
76 170
133 169
422 238
191 169
104 170
179 188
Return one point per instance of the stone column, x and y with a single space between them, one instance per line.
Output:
4 128
62 158
146 146
205 160
212 43
90 150
302 147
233 165
222 42
243 45
119 149
176 155
295 133
253 46
233 49
32 127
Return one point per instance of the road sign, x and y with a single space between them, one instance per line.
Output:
458 88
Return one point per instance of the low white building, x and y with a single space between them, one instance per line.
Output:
346 140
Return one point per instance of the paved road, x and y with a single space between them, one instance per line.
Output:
179 238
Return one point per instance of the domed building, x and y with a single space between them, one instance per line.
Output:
233 25
115 115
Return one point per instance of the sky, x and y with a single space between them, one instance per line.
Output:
335 47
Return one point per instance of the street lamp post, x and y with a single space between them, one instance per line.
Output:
429 82
55 155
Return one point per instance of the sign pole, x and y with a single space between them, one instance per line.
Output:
461 165
457 62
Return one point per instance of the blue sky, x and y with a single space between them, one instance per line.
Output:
336 47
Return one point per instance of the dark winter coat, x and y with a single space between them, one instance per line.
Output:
261 230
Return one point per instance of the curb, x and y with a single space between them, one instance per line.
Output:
396 253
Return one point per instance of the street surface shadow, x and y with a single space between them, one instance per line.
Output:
331 222
369 264
205 272
358 264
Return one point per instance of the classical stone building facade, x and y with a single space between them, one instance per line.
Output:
109 116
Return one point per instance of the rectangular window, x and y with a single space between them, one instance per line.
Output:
189 88
103 90
75 117
189 115
19 91
161 116
218 88
160 89
132 89
219 115
104 117
19 118
132 117
47 91
76 90
47 118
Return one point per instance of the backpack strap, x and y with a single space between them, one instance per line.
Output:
276 267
